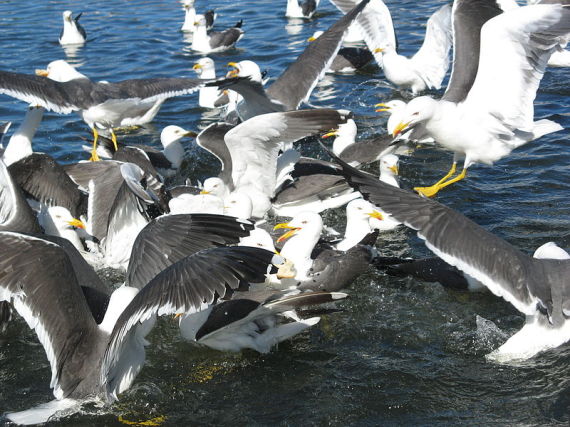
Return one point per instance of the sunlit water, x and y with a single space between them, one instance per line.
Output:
401 352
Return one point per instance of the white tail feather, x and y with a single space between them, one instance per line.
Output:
43 412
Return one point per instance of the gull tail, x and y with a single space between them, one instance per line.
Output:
544 127
273 336
43 412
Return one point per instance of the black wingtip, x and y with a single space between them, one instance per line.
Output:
239 24
76 19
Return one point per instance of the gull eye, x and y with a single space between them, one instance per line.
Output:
359 209
416 113
260 245
303 222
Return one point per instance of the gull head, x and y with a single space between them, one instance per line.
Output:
258 238
361 210
63 220
417 111
390 106
389 164
204 65
200 21
60 71
68 16
245 69
305 224
315 36
172 133
238 205
215 187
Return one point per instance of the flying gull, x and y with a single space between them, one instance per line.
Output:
296 83
537 287
348 59
486 121
100 104
427 68
72 32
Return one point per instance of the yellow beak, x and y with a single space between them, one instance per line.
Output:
376 214
384 107
290 233
235 71
42 73
394 169
311 39
197 67
328 135
190 133
401 126
378 50
204 192
76 223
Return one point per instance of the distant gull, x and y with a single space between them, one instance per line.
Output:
538 288
205 68
348 59
104 105
427 68
72 32
296 83
486 121
215 41
304 10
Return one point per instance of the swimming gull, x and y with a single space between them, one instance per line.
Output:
215 41
206 69
72 32
496 114
305 10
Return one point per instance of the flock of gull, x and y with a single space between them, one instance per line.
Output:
205 254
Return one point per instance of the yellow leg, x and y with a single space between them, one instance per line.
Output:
442 183
94 156
114 139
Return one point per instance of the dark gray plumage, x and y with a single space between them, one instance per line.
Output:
367 150
212 140
296 83
350 59
468 16
530 284
15 213
226 38
43 179
429 270
168 239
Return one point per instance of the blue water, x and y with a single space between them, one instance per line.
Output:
402 351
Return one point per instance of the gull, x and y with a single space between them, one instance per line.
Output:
487 111
206 69
72 32
427 68
91 361
216 41
100 104
296 83
348 59
538 287
305 10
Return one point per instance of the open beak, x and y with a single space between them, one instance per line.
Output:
401 127
291 232
42 73
197 67
204 192
384 107
235 71
394 169
76 223
375 214
332 133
